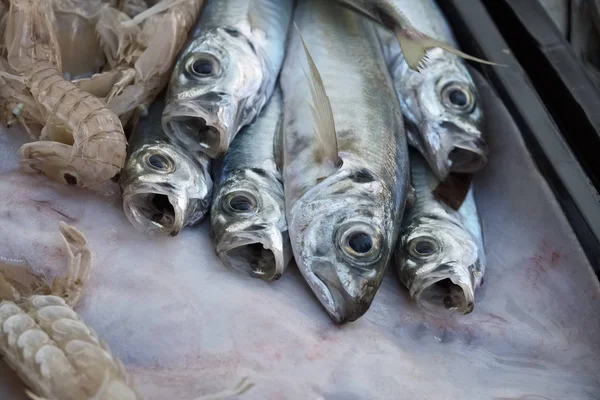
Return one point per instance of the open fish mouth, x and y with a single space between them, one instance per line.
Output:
258 254
197 128
150 210
466 159
442 293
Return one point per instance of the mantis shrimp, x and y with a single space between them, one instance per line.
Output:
82 142
140 58
49 345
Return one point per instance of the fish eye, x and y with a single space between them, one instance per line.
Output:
457 96
240 202
359 241
160 162
202 66
422 247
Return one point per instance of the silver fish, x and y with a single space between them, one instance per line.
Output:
345 157
440 256
227 73
248 212
164 187
440 104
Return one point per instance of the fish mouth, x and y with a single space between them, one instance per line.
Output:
466 159
329 289
195 126
152 210
260 254
452 147
446 290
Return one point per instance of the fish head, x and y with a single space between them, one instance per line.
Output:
341 232
438 261
249 226
445 118
164 189
217 76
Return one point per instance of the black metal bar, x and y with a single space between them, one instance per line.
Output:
558 76
478 34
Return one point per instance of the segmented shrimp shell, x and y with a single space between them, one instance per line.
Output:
48 345
91 147
57 354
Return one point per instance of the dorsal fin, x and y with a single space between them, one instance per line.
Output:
278 145
414 44
321 111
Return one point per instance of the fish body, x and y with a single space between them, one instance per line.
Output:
164 186
341 213
248 212
227 72
440 256
440 104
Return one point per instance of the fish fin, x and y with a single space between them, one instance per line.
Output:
411 197
415 44
278 144
454 189
321 110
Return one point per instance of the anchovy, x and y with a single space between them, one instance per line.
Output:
440 104
248 212
345 156
440 256
227 73
164 186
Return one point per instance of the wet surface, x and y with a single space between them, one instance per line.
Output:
185 326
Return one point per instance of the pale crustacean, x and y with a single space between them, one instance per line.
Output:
141 52
82 142
47 343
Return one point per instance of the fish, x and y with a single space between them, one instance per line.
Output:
345 157
414 42
440 256
440 105
227 72
165 187
248 212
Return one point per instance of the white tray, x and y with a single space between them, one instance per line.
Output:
185 326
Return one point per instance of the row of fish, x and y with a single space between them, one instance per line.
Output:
314 118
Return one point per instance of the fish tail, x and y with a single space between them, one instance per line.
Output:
415 44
